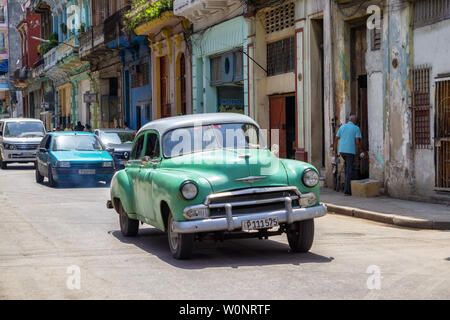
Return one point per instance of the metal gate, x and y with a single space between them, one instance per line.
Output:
442 156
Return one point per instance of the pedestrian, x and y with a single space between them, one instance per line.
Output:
348 136
87 128
79 126
125 125
69 127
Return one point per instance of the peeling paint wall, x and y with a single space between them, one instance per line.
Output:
399 163
431 47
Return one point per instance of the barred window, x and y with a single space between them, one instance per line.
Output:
216 69
421 106
280 18
430 11
281 56
140 76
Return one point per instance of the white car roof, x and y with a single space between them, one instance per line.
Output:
167 124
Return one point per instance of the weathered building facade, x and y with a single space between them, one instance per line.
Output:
218 43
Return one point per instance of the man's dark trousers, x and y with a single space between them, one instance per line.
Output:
349 161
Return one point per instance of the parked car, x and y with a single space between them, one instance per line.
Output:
188 177
19 140
73 156
121 140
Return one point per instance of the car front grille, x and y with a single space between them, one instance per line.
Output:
94 165
26 146
257 200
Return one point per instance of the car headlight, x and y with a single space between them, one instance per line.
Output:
188 190
8 146
310 178
107 164
62 164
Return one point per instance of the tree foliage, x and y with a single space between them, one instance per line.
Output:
143 11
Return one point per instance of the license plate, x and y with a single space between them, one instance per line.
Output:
256 224
86 171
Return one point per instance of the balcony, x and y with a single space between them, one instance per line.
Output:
204 10
97 40
51 58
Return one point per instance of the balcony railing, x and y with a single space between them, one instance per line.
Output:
51 58
94 37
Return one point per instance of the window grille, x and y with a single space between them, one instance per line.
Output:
421 107
281 56
280 18
430 11
216 69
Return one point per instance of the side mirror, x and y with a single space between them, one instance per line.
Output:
43 150
110 150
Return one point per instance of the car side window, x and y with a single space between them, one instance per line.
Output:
152 147
47 143
44 142
1 128
136 153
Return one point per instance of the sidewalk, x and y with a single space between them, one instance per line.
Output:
388 210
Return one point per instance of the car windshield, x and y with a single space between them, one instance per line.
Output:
24 129
183 141
77 143
117 137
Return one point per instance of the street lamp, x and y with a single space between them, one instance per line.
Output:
47 41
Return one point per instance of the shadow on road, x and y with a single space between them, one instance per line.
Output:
230 253
12 167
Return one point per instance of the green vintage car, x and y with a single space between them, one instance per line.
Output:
210 176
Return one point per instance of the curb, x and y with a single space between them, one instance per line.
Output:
392 219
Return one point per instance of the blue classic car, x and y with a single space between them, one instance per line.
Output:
73 156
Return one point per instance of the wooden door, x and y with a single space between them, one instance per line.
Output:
165 108
442 138
278 122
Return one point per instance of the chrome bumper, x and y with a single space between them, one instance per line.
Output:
231 223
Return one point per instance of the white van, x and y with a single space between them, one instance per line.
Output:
19 140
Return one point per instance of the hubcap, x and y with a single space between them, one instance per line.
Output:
173 236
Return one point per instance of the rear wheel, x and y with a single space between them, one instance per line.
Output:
301 235
39 177
128 227
180 244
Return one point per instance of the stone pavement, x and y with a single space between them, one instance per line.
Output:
389 210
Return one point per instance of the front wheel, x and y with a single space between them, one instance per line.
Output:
180 244
51 181
301 235
3 164
128 227
39 177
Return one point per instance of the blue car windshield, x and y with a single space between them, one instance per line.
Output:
77 143
183 141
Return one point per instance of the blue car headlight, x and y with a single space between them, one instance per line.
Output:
62 164
107 164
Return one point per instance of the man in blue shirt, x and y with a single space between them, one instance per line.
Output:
348 137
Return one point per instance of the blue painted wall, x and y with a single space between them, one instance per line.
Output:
137 52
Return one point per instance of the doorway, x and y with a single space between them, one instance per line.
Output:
164 90
358 48
442 127
317 93
282 118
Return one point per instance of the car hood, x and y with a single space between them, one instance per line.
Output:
126 147
88 156
233 169
34 140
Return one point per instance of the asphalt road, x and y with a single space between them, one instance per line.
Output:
45 231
